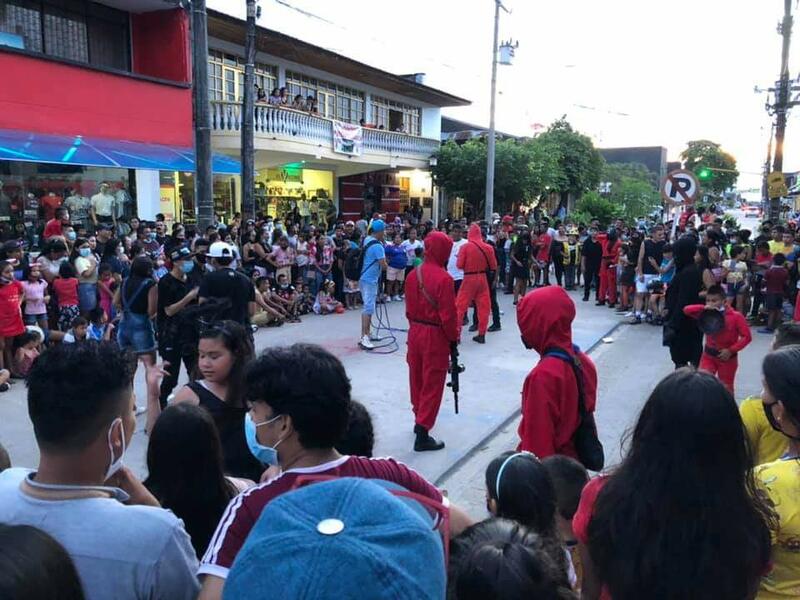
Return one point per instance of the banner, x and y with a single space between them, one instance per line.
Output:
348 138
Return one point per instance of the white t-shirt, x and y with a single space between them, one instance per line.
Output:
455 272
410 248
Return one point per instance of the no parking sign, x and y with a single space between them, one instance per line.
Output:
680 187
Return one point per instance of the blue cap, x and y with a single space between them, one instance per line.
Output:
346 538
377 226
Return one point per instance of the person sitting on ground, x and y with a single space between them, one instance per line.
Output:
518 487
349 538
299 398
28 348
359 438
688 456
500 559
99 328
766 444
35 566
325 303
778 479
78 332
286 294
81 403
185 470
272 312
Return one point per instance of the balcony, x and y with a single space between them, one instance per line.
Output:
289 135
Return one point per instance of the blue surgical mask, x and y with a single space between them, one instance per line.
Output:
187 266
266 454
72 236
151 236
85 252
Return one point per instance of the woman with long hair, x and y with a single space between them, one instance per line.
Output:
137 298
224 350
681 516
781 479
521 264
706 268
185 470
681 334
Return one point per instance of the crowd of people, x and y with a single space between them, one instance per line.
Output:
261 480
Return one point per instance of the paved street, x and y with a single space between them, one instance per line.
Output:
490 387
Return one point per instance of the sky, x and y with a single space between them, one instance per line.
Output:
624 72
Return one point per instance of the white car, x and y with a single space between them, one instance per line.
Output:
752 212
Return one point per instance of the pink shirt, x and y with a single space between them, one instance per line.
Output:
35 292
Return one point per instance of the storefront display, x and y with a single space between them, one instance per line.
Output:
178 201
302 195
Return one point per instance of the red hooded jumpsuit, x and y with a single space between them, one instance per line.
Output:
432 326
550 392
475 258
608 270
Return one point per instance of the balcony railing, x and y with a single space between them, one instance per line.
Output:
290 124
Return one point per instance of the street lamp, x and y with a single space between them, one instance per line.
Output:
506 54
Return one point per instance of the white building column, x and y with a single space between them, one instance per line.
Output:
148 194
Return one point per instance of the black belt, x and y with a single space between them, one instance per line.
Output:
715 352
475 273
428 323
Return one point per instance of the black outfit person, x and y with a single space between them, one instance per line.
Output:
592 253
681 334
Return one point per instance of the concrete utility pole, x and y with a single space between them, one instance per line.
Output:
490 142
781 102
248 117
202 117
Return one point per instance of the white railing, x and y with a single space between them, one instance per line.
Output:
290 124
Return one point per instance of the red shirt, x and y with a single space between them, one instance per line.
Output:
66 291
735 335
50 204
245 509
10 311
52 229
543 254
775 279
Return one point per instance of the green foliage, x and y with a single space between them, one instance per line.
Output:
614 172
594 206
579 161
703 157
635 198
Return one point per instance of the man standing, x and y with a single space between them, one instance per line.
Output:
225 284
103 209
550 414
456 234
648 270
373 262
177 335
433 327
53 228
591 256
492 277
476 259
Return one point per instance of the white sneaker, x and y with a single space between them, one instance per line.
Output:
140 410
365 343
388 299
397 298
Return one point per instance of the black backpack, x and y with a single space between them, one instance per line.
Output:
587 444
354 261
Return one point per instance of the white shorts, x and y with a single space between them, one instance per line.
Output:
393 274
641 286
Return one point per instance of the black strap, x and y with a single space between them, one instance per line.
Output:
127 303
486 258
575 363
372 242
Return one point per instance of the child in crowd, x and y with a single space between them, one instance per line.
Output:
66 289
106 286
734 274
572 259
396 270
351 293
658 292
569 478
100 328
418 253
326 303
775 279
359 438
29 346
720 353
11 298
36 297
286 294
78 332
763 261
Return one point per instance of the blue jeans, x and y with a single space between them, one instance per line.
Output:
87 296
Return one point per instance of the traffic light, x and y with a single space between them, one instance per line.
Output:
704 174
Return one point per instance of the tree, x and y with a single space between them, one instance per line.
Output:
580 164
704 154
614 172
632 189
594 206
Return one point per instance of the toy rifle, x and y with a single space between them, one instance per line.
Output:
455 370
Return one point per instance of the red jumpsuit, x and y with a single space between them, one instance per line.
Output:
550 392
432 327
734 336
608 270
475 258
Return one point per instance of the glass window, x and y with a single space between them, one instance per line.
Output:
21 21
334 101
231 69
395 116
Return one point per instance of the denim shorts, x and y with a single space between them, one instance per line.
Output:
136 333
34 319
369 293
87 296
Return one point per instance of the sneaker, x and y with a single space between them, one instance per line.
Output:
479 339
473 328
4 387
140 410
494 328
365 343
586 298
396 298
648 318
637 320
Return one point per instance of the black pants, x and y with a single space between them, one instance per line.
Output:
495 306
590 278
174 358
558 267
338 282
687 348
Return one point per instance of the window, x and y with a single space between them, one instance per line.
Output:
75 30
226 77
334 101
395 116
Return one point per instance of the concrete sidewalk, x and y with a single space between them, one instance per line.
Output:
490 387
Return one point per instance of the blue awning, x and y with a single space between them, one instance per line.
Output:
98 152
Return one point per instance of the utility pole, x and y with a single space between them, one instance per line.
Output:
781 102
765 184
202 117
248 106
490 147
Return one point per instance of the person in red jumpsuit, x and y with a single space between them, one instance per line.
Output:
608 268
721 349
475 258
431 313
550 392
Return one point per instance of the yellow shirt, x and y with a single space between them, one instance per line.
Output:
766 444
779 247
781 480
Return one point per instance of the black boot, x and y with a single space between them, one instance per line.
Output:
473 327
495 327
424 442
481 339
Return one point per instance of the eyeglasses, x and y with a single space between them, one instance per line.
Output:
438 512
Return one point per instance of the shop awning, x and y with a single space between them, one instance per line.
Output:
98 152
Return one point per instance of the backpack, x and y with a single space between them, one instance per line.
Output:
354 261
587 445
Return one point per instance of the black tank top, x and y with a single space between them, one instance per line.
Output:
237 458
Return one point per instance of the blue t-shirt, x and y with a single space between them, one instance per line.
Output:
396 256
666 276
371 271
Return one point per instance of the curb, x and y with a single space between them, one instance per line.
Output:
514 414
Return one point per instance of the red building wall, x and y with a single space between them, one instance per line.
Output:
50 97
160 41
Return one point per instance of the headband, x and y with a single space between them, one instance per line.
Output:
503 466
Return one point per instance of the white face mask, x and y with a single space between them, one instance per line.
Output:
115 465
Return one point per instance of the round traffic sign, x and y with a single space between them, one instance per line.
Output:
680 187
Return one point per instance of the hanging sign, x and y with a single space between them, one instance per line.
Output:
348 138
